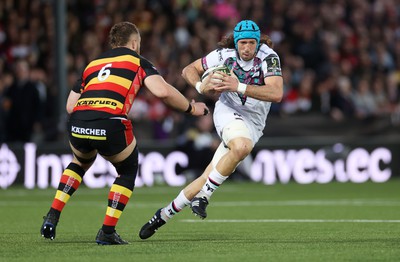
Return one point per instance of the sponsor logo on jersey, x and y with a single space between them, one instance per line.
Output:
96 102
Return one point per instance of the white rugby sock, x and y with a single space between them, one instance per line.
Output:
215 179
175 206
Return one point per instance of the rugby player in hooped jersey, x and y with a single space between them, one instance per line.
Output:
240 113
98 106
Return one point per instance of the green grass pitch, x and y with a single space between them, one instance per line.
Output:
246 222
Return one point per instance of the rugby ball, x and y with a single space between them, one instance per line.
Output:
221 68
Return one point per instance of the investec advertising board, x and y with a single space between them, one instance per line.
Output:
41 166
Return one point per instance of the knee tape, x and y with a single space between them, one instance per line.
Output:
234 129
219 153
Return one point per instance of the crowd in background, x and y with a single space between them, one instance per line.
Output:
340 58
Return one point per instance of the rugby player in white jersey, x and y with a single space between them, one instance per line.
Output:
245 97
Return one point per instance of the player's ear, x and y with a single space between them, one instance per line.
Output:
135 43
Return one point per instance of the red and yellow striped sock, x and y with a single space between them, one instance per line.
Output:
69 183
117 200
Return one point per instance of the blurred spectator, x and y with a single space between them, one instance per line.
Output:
225 9
6 80
182 36
342 100
380 95
299 99
364 102
22 105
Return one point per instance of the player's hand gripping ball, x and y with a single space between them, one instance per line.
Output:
211 77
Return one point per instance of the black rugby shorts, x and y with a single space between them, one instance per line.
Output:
107 136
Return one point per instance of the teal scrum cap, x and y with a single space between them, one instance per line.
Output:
246 29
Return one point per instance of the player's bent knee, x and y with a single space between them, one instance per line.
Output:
241 147
85 163
127 168
129 165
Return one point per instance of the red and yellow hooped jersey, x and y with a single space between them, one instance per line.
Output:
110 83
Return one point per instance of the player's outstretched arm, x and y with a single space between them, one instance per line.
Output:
172 97
192 72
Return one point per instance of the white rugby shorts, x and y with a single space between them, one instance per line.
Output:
230 124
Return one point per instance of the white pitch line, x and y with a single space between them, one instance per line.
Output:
288 221
315 202
320 202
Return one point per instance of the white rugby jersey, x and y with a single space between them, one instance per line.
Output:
266 63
